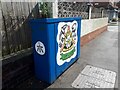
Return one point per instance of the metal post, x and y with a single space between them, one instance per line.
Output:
55 9
90 5
90 11
102 13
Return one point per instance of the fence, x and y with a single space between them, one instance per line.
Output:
79 9
99 12
71 9
0 34
16 34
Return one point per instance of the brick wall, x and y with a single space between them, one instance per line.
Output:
90 36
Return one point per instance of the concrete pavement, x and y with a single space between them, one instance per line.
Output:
100 52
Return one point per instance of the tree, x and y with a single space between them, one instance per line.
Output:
45 10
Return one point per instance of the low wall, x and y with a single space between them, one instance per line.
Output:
20 67
17 68
92 28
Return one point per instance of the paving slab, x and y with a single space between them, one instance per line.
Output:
101 52
95 77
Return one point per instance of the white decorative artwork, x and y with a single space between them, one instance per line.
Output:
67 41
40 48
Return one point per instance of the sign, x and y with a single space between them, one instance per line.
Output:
67 41
40 48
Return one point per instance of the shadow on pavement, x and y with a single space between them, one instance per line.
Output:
33 83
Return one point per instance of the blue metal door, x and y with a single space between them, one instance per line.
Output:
56 45
67 35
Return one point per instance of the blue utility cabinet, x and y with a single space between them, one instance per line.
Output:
56 45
